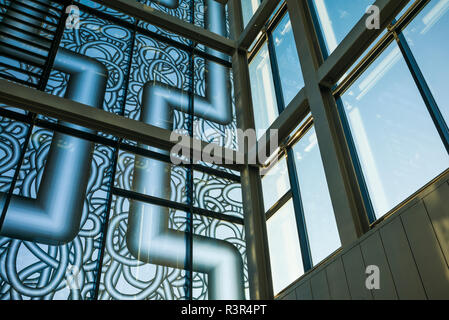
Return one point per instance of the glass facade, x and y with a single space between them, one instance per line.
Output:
397 143
91 215
336 18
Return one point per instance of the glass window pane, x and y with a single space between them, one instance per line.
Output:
275 184
249 7
427 37
285 252
262 89
318 211
287 59
397 143
338 17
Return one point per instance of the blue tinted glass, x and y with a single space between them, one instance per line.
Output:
262 89
397 143
287 59
318 212
338 17
248 9
427 37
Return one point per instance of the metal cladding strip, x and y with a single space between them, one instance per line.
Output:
149 238
54 217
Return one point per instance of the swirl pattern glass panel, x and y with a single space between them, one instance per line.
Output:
124 277
32 270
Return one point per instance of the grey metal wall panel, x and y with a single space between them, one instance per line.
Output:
336 279
401 261
355 273
304 291
427 252
374 254
438 210
289 296
319 285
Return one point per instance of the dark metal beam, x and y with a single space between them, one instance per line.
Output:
349 208
172 24
356 42
29 99
287 121
256 24
257 251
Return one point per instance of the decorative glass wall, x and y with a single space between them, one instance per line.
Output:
87 215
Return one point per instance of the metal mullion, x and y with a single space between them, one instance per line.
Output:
106 221
276 76
189 182
16 175
28 23
278 205
57 127
293 177
114 169
355 160
173 205
27 52
48 14
30 43
424 90
279 15
364 64
17 69
317 26
53 50
299 212
38 36
154 35
217 216
30 16
22 60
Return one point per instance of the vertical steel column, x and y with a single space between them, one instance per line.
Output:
349 208
257 251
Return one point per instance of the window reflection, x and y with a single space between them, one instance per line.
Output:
397 143
249 7
262 89
287 59
338 17
285 253
427 36
318 212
